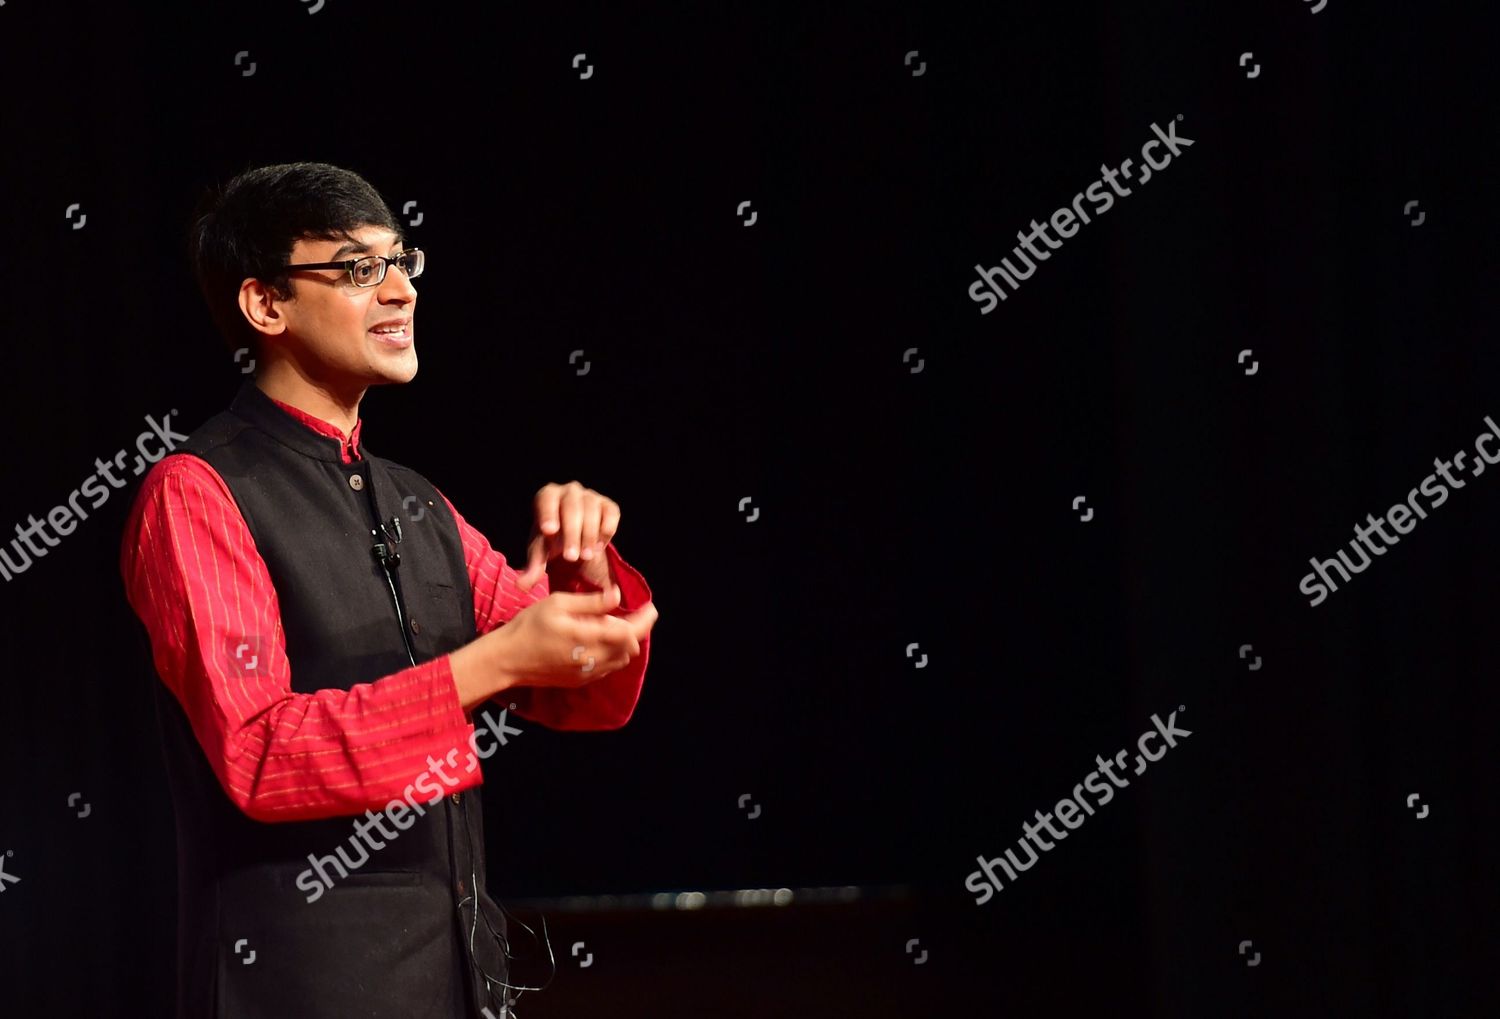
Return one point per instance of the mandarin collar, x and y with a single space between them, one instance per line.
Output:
296 428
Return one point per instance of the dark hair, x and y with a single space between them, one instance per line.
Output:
248 227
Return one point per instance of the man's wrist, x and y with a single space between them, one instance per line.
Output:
481 668
500 658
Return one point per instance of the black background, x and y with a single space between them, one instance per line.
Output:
895 507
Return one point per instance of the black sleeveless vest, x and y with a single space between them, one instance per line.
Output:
398 936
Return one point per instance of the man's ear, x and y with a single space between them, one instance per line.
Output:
261 307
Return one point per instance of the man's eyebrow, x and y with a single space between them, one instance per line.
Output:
356 247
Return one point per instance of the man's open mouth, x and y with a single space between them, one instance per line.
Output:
397 332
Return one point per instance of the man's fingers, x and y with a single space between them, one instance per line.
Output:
546 508
572 528
598 626
641 620
536 563
611 522
629 629
588 537
591 603
620 632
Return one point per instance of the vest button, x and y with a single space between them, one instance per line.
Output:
356 482
455 797
416 627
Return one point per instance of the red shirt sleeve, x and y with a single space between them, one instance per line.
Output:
193 576
606 703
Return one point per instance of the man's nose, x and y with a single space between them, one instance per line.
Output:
397 286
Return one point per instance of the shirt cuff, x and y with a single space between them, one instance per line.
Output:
634 591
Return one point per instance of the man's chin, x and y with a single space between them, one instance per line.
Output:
396 371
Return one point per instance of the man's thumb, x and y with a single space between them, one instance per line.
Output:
529 577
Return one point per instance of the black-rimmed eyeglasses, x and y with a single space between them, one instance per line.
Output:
370 270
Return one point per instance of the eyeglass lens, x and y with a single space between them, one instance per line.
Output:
371 270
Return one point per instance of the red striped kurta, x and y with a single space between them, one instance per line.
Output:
194 577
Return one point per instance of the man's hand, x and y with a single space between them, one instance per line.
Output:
563 640
570 640
572 526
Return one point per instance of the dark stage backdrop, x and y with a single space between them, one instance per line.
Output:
921 559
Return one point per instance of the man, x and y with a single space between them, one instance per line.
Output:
325 625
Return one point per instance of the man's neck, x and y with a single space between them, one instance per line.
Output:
282 381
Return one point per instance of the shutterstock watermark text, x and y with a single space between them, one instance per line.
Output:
987 290
317 877
1073 810
63 519
1399 516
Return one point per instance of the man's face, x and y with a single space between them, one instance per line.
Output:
330 323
